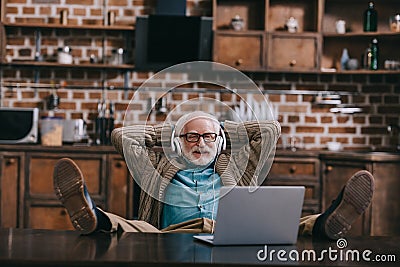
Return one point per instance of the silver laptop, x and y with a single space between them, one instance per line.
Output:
257 215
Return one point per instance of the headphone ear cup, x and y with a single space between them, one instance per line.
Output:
220 144
221 141
176 146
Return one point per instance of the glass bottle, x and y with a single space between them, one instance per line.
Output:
374 54
370 18
344 59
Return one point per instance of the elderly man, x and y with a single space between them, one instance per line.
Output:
180 183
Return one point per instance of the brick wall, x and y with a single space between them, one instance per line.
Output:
378 95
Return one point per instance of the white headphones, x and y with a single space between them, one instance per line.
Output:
176 145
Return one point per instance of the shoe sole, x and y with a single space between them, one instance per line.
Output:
356 198
68 185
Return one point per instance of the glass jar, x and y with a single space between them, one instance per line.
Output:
394 23
117 57
64 55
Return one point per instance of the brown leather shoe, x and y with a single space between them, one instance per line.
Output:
352 201
71 190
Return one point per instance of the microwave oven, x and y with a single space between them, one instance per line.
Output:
19 125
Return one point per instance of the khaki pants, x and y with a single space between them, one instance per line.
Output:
201 225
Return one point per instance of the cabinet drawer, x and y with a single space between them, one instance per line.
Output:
41 169
242 51
283 168
48 217
292 52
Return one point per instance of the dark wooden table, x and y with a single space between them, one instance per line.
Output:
25 247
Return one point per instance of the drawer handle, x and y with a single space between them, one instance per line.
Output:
292 63
292 169
118 164
239 62
329 168
10 162
63 212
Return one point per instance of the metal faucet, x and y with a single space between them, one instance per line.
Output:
393 129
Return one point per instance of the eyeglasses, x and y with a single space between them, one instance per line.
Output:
195 137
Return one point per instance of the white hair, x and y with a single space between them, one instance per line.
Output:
182 121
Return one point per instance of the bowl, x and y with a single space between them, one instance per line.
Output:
334 146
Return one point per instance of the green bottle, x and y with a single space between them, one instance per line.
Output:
370 18
374 54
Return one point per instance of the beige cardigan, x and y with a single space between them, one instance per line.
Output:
147 151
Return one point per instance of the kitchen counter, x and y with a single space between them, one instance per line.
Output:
389 156
378 156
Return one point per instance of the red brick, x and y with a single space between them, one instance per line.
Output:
11 10
342 130
325 119
79 2
343 140
16 41
77 115
67 105
292 98
80 12
308 139
285 129
28 10
309 129
359 140
274 98
359 119
324 140
309 119
391 99
389 109
78 95
374 130
95 95
375 140
343 119
293 108
293 119
375 89
27 104
375 119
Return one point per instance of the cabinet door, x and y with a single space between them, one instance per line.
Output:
293 52
243 51
120 189
298 172
386 204
335 175
11 189
42 208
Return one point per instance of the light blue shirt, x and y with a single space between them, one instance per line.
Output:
191 194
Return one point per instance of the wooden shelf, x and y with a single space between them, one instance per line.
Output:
57 65
361 34
77 27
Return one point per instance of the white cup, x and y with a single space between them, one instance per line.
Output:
341 26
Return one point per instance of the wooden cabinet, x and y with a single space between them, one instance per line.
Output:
240 50
120 188
11 188
27 195
298 169
355 40
383 215
280 50
42 209
334 176
315 46
286 51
